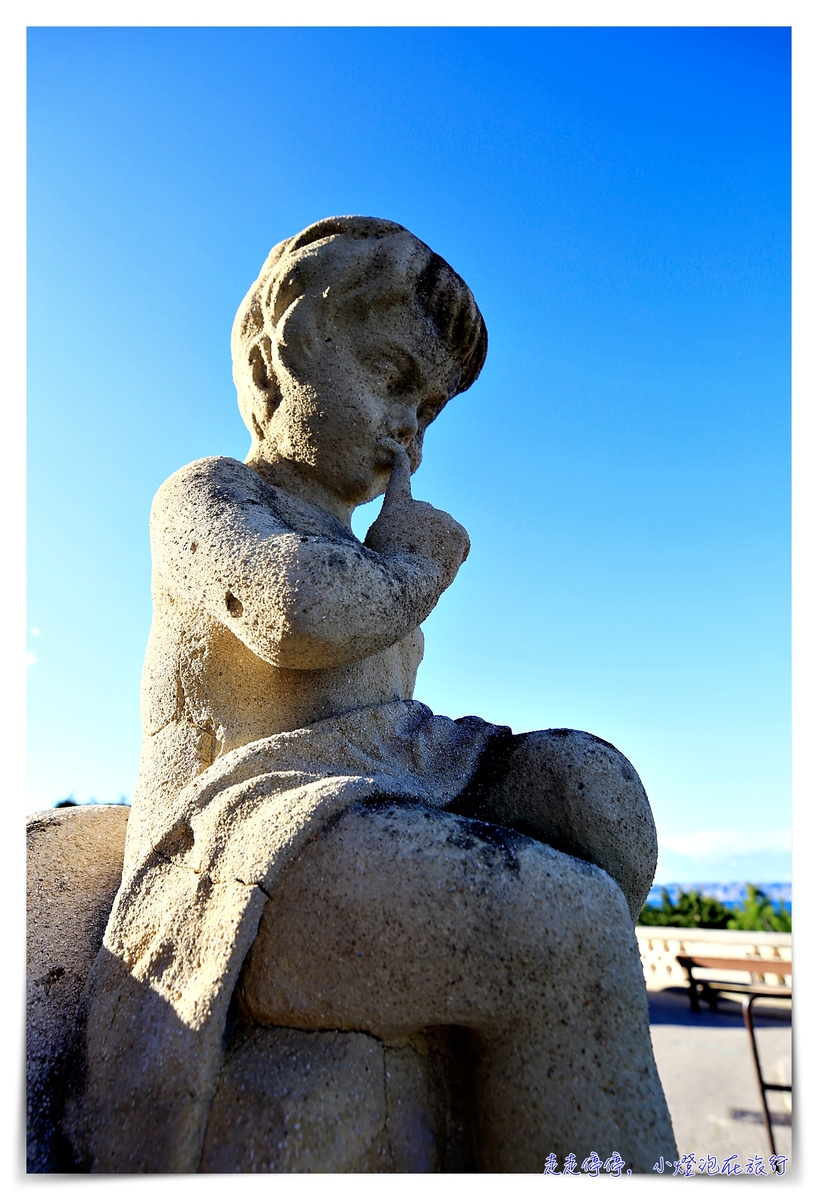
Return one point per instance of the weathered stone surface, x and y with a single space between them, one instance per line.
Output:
294 1101
414 1108
74 869
576 792
294 803
269 614
531 950
286 1100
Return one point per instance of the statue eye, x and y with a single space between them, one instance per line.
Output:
387 373
405 380
398 375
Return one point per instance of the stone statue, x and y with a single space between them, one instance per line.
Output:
409 935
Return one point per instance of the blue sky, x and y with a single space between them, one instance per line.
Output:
618 200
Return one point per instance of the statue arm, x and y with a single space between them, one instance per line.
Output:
298 601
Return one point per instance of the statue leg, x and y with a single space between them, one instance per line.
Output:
398 918
575 792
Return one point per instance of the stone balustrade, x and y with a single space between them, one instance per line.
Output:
659 946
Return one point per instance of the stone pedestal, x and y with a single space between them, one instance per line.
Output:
74 868
288 1100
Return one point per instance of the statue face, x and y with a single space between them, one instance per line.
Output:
351 383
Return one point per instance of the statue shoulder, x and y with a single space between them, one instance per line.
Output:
211 478
215 489
210 519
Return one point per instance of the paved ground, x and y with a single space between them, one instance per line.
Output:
706 1068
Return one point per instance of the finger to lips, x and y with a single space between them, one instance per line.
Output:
399 481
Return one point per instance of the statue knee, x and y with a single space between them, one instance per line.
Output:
579 794
568 932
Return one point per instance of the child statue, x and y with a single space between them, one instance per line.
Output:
306 840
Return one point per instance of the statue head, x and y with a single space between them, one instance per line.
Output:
354 331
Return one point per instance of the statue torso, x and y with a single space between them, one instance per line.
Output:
204 692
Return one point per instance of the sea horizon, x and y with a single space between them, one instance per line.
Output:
730 893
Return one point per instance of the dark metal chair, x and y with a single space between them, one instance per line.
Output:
763 1085
709 989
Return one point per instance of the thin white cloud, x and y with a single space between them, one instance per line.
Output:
726 855
31 658
718 843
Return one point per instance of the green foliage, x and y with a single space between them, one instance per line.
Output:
758 912
692 909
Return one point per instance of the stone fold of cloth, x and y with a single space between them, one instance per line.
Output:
195 881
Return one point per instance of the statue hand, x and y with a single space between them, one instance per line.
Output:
408 526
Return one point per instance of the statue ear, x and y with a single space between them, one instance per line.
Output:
262 372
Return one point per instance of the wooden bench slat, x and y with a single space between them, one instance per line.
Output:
761 989
757 966
709 989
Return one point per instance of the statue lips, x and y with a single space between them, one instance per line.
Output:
389 451
388 456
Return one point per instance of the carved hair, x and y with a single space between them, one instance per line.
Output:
388 261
